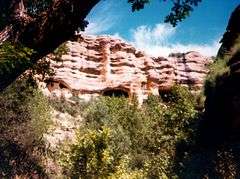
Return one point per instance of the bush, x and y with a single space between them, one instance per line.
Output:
217 69
24 118
24 107
14 57
171 124
139 142
91 156
74 106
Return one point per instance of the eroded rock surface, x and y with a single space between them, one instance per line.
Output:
102 65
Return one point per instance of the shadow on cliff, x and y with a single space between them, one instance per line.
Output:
213 151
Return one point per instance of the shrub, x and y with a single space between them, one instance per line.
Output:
171 123
123 171
18 57
74 106
217 69
24 118
58 52
22 105
123 118
91 156
141 142
42 69
14 57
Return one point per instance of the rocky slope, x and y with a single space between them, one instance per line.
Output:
104 65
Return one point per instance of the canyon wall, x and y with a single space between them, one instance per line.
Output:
222 106
103 65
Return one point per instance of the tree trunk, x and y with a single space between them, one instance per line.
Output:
46 32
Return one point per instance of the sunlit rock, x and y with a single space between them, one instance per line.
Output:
95 65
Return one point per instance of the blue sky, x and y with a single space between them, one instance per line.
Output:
146 30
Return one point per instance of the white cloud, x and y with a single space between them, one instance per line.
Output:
156 36
102 18
98 27
155 41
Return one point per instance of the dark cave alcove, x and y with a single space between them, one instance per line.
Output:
63 86
165 95
116 93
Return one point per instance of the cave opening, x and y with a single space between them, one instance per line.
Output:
62 86
116 93
165 95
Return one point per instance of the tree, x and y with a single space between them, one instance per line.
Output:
42 25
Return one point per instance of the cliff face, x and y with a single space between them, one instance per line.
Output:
104 65
222 109
231 38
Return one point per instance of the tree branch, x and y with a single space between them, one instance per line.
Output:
47 31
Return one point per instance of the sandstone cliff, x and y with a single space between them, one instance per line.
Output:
104 65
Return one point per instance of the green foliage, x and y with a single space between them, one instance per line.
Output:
40 114
42 68
73 107
123 171
61 50
24 118
12 57
119 139
179 11
200 101
18 161
217 69
91 156
138 4
182 106
58 52
24 107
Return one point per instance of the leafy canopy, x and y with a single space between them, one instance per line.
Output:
179 11
33 8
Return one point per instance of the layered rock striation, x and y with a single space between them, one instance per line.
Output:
104 65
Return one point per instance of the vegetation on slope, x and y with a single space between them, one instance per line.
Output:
24 118
119 139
